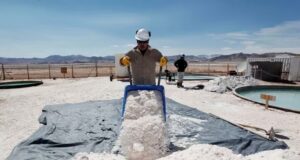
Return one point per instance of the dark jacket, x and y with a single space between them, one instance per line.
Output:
181 65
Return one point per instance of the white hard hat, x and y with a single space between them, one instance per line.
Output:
142 35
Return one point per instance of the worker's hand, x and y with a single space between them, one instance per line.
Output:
125 61
163 61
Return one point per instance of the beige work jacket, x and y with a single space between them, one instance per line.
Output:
143 66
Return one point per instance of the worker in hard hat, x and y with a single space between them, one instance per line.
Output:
143 59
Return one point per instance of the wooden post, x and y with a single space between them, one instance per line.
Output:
72 71
96 65
267 98
3 72
49 71
208 68
227 68
28 72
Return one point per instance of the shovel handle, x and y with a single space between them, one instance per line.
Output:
129 72
159 75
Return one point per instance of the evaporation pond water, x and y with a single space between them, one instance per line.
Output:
285 97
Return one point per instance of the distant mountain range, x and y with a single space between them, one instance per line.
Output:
57 59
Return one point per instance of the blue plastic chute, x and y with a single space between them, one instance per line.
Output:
157 87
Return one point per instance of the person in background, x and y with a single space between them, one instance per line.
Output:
181 65
168 75
143 59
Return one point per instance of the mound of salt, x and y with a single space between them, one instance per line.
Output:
144 138
142 103
97 156
204 152
143 133
213 152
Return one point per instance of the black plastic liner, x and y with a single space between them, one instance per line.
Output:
94 127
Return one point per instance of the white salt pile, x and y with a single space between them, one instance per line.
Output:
203 152
212 152
144 138
143 134
97 156
277 154
142 103
222 84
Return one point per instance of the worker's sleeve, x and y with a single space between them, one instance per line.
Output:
157 55
176 63
186 64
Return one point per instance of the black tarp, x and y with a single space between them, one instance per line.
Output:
94 127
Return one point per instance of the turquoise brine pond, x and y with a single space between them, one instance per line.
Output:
287 97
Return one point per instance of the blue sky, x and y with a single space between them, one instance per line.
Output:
39 28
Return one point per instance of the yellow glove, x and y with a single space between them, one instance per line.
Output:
163 61
125 61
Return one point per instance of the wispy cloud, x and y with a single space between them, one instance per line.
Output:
278 38
231 36
226 48
290 28
246 43
237 35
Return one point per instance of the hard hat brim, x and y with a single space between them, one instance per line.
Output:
141 39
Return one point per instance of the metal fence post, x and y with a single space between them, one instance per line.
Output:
72 71
28 72
3 72
96 68
227 68
49 71
208 68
